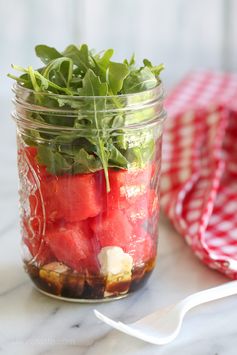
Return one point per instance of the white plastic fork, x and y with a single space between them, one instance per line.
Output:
163 326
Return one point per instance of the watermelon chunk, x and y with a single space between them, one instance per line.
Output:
74 245
69 197
129 183
39 250
143 208
112 228
36 244
141 246
73 198
127 186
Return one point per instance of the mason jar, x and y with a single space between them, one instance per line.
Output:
89 170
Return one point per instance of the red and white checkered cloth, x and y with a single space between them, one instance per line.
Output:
199 173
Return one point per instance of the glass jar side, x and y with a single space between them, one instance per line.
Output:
82 240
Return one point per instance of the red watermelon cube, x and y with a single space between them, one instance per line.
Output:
73 198
141 246
69 197
143 208
126 186
35 242
112 228
74 245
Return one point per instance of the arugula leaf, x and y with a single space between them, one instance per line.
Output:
99 139
84 162
115 158
59 163
139 80
156 70
115 75
46 53
113 121
55 162
59 71
140 155
71 144
79 56
102 63
138 148
131 62
92 86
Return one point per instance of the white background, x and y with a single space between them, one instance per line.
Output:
183 34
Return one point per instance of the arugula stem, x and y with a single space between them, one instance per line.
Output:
102 152
33 79
18 79
105 166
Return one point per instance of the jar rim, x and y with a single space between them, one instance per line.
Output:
148 103
156 89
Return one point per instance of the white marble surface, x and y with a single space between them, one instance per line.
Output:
31 323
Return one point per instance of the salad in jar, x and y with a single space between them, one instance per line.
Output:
89 134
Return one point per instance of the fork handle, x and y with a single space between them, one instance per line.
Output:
211 294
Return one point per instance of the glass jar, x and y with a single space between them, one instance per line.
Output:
89 170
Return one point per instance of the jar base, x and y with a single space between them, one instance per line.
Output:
80 289
80 300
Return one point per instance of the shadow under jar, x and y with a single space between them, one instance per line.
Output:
89 170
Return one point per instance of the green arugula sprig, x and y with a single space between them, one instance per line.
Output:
78 72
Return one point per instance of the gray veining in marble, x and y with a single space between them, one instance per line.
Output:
32 324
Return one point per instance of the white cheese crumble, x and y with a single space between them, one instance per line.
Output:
114 260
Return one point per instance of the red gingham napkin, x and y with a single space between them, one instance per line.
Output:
199 173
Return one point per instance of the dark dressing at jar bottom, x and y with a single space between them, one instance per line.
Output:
87 287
